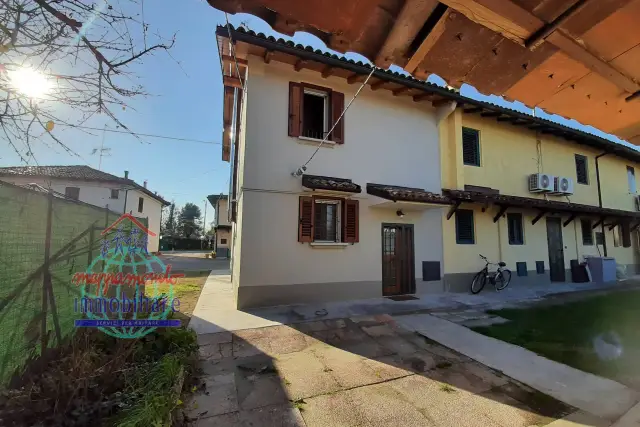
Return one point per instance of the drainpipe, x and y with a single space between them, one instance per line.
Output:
604 236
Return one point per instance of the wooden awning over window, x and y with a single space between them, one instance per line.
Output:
544 206
576 58
406 194
316 182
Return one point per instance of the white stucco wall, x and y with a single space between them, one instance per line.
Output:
388 140
99 194
222 217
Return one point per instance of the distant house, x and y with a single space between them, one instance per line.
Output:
222 226
119 194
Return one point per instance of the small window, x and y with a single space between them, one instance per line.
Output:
223 241
471 147
617 236
115 193
587 232
315 113
599 238
631 179
327 220
464 227
140 204
72 193
582 174
515 228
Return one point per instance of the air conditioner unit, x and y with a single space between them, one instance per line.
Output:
539 182
563 185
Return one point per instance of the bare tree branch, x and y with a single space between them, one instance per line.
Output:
83 50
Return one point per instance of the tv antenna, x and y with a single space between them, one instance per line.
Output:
102 151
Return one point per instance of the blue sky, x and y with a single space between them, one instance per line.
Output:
185 102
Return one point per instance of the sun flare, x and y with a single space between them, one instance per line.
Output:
29 82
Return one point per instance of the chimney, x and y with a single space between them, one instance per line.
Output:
126 174
144 184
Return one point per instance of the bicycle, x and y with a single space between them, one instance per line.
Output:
499 279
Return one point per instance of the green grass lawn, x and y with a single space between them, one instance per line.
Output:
566 333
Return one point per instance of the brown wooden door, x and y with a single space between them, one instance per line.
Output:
556 250
398 266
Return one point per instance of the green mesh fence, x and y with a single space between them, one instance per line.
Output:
44 240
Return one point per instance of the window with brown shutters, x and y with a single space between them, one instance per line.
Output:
305 219
350 233
328 220
470 147
313 110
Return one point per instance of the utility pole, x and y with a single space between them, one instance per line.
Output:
204 223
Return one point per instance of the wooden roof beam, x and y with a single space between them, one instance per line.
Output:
491 114
428 43
268 55
300 64
539 36
518 24
355 78
423 97
473 110
400 91
377 85
327 71
410 20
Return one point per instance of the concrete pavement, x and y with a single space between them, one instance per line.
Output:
596 395
360 372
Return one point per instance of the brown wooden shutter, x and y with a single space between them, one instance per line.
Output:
350 226
305 219
337 105
295 109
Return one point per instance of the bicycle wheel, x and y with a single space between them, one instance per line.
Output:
478 282
503 277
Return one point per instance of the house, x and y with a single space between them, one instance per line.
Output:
98 188
222 225
412 183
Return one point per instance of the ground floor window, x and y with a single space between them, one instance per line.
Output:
464 227
587 232
515 228
327 220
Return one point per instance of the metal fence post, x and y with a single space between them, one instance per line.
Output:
46 273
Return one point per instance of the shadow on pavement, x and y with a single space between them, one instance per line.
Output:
359 371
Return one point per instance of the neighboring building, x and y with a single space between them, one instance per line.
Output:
400 199
222 225
119 194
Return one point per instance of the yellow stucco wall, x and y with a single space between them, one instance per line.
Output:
508 155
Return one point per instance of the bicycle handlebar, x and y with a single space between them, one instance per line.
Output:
483 257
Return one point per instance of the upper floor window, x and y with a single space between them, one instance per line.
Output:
315 113
464 227
327 220
631 179
140 204
115 193
72 192
515 229
470 147
582 173
313 110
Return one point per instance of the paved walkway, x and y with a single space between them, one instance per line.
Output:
585 391
215 310
359 372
